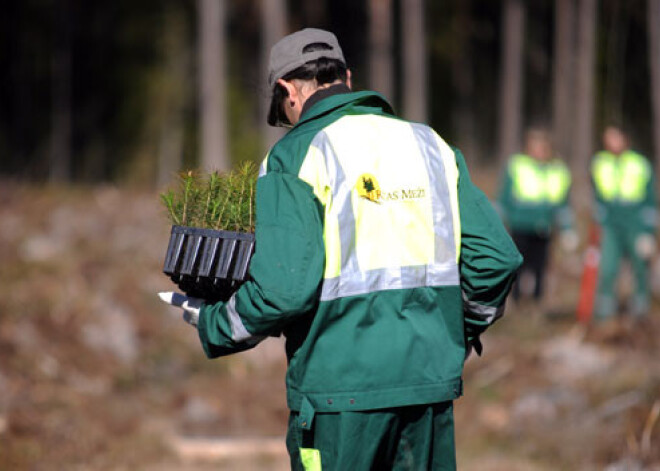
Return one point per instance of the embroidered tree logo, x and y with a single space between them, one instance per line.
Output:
367 187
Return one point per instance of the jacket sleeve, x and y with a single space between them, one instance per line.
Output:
489 259
503 204
286 270
650 207
599 209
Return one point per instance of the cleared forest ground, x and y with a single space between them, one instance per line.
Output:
96 373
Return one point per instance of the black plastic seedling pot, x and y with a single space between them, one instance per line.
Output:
207 263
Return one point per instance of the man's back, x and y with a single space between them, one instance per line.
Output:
389 329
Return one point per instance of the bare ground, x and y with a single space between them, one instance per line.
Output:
95 373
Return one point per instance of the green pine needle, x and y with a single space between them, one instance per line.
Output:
214 200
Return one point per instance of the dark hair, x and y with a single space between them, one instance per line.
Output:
323 70
618 126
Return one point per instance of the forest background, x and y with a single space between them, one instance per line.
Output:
131 92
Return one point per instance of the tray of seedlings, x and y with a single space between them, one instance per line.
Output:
212 235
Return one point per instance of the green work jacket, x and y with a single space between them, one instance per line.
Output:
624 191
534 195
375 292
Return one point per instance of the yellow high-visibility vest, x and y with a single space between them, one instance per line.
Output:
538 182
623 178
389 189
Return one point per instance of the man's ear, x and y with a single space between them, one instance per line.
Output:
291 90
349 84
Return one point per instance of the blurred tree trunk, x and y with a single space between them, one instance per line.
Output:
273 28
414 61
314 13
463 81
212 86
616 20
380 48
564 45
511 78
174 97
654 61
60 164
584 98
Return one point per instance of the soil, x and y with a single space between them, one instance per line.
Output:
96 373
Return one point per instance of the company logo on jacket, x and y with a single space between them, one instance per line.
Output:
368 187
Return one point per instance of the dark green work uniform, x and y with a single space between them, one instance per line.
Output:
533 200
379 260
403 438
626 208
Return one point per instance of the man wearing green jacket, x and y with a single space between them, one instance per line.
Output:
626 209
378 260
533 201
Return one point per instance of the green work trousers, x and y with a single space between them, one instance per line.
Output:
403 438
617 243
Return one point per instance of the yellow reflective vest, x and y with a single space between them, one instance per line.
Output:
624 189
621 178
385 224
534 195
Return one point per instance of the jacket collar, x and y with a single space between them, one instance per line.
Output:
338 89
340 97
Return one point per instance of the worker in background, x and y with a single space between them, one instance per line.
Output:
626 209
379 261
534 203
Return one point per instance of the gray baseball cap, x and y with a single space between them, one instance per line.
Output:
288 53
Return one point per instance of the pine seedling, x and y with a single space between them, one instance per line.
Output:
210 207
168 200
188 184
214 200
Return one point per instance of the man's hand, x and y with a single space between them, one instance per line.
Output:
190 306
468 351
645 246
569 240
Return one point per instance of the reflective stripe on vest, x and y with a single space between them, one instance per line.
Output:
623 177
389 189
537 182
263 168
